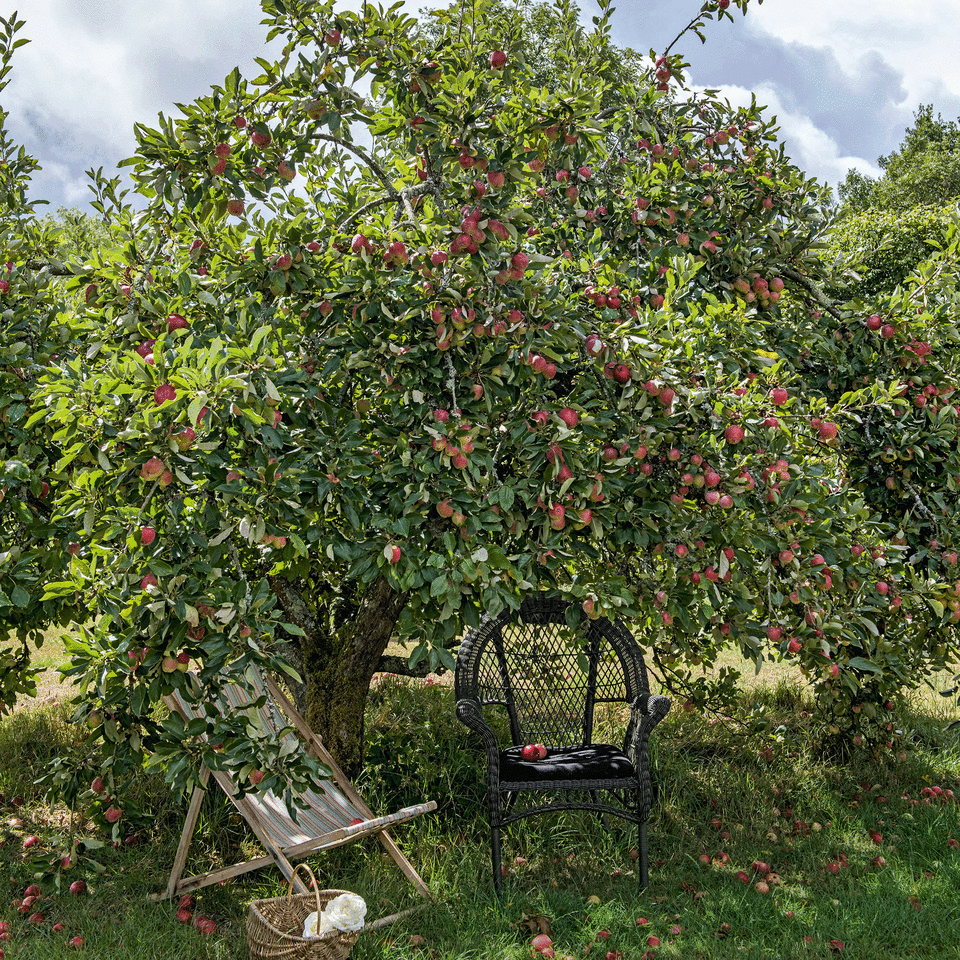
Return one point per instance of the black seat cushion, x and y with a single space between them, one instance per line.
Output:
595 762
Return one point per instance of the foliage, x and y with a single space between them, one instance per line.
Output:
883 247
551 34
434 757
31 332
78 235
924 171
398 360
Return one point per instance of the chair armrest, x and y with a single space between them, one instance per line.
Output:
469 713
645 713
650 709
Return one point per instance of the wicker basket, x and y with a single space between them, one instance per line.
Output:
274 927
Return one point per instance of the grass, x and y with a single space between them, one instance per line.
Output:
724 797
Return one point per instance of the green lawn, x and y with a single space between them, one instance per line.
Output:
726 802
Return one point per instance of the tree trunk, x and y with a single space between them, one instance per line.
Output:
337 668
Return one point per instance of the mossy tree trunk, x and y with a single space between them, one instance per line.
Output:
338 666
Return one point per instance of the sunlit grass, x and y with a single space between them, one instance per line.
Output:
726 801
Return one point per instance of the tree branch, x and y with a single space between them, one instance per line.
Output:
56 267
362 154
812 288
401 667
362 210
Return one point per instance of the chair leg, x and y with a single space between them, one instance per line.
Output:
495 856
642 857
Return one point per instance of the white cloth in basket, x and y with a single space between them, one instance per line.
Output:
345 912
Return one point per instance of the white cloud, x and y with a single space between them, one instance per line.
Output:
844 76
812 149
919 38
75 188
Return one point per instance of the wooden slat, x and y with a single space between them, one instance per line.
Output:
189 825
198 880
278 854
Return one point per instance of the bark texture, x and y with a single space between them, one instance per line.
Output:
338 666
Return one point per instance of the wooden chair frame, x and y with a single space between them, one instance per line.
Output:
278 854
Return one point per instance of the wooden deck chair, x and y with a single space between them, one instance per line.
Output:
334 816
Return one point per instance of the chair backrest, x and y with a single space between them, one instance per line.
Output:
547 676
319 811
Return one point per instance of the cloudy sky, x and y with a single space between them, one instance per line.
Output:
844 77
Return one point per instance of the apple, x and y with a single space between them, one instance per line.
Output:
497 60
164 393
256 776
185 438
152 469
113 814
176 322
147 536
235 207
78 887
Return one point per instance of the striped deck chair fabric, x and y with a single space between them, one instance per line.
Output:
326 818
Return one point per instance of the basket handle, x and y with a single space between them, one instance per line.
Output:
313 883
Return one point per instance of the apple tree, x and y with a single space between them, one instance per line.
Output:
32 335
399 334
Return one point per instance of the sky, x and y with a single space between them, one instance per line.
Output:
843 77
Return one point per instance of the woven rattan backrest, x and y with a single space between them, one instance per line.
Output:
547 676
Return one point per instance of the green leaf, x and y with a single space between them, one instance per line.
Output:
859 663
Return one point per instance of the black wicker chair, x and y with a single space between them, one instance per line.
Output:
549 678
